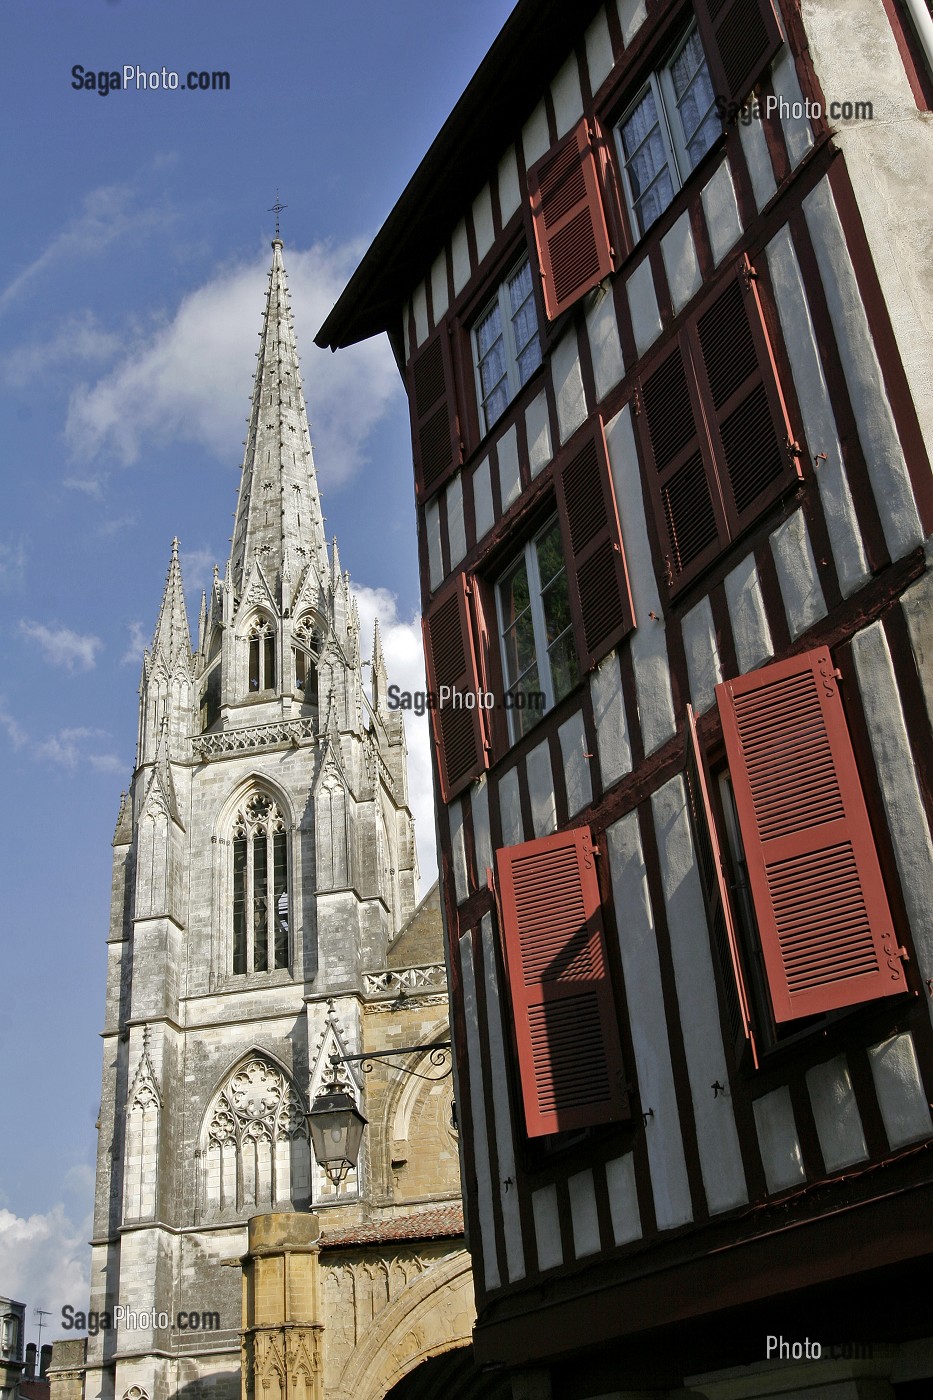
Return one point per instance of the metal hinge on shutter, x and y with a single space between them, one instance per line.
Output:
636 402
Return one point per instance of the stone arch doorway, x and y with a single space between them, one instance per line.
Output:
452 1376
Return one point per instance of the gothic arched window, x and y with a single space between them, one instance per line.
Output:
306 652
256 1151
260 887
262 655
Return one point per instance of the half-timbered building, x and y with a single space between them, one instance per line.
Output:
661 297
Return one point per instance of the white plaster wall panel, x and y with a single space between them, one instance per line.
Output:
547 1227
722 212
631 18
894 764
758 161
778 1140
505 1147
432 526
583 1215
599 60
538 430
510 481
750 632
643 305
567 97
509 189
458 848
818 420
419 305
602 329
717 1137
568 385
639 953
838 1125
680 262
510 811
456 529
440 296
648 644
483 512
405 337
482 222
804 603
535 138
901 1097
887 160
577 779
704 669
623 1199
876 428
482 845
612 741
917 603
798 137
460 257
541 790
487 1220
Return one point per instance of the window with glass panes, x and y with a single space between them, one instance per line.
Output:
506 346
260 887
667 131
538 657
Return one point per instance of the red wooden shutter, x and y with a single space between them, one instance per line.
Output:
574 250
459 734
713 880
600 598
745 412
681 481
740 38
569 1055
435 429
826 931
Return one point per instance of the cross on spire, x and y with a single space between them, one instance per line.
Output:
276 209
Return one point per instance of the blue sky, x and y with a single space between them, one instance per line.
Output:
135 243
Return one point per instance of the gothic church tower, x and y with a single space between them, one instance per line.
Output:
264 861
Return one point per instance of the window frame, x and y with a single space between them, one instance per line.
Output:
528 552
501 300
269 819
262 634
660 83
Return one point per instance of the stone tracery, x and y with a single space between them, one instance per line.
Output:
256 1151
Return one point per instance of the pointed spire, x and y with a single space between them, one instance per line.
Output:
278 511
379 675
171 637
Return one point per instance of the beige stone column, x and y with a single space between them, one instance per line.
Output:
282 1329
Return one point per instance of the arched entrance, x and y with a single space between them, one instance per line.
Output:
452 1376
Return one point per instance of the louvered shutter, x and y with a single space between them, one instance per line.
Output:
745 412
600 598
569 1054
435 428
740 38
459 734
713 880
574 250
682 484
826 931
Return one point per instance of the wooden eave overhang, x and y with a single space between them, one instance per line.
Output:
531 46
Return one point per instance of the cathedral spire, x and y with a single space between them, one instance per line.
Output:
278 515
171 637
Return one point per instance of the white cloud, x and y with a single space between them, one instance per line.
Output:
45 1260
69 748
190 380
15 731
404 658
77 340
135 646
62 646
197 566
109 213
12 564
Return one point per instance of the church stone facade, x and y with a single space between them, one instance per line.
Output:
264 876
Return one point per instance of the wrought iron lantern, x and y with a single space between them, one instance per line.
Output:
336 1127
